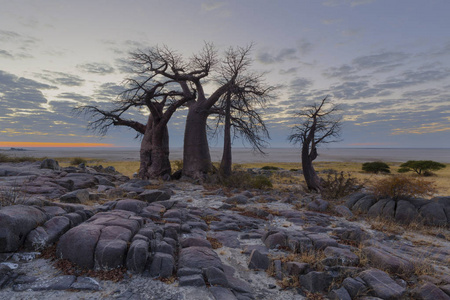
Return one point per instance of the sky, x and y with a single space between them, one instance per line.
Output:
385 63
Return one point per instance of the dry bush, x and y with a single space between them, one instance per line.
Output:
402 187
4 158
339 184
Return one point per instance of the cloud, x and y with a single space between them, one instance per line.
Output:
211 5
351 3
74 97
305 47
288 71
96 68
353 90
60 78
412 78
284 54
6 54
385 61
342 71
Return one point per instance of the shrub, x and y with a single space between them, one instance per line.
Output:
16 159
243 180
77 160
398 187
176 165
376 167
421 167
338 184
270 168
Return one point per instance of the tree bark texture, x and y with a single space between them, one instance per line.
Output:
196 156
225 164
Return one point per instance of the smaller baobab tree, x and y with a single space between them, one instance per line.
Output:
318 124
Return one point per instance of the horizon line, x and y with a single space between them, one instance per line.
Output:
54 145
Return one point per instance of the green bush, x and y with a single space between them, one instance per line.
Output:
242 180
338 184
270 168
421 167
78 160
376 167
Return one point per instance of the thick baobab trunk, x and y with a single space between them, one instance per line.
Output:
311 178
225 164
154 153
160 153
196 156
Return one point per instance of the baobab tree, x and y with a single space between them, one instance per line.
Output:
159 95
234 83
318 124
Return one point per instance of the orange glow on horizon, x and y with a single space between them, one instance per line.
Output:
53 145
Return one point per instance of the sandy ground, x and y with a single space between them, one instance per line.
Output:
243 155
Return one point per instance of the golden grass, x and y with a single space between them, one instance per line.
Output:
441 180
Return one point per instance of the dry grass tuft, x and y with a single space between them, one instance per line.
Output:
214 242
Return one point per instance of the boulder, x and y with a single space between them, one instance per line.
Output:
405 212
433 214
137 256
377 209
199 257
340 256
77 196
215 277
78 244
429 291
15 223
51 164
163 265
355 286
47 234
339 294
258 260
350 200
382 285
135 206
110 254
154 195
316 282
82 180
388 261
364 204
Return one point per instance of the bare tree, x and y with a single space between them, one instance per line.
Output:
319 124
237 108
156 88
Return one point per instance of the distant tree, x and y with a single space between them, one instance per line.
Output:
157 88
421 167
376 167
318 124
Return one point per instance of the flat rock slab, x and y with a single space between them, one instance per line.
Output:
382 285
199 257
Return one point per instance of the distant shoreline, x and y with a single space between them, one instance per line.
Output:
245 155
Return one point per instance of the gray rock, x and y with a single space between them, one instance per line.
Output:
364 204
74 218
341 256
355 287
321 241
78 244
433 214
215 277
389 209
195 242
131 205
15 223
296 268
350 200
162 265
62 282
110 254
154 195
189 271
82 180
86 284
137 256
344 211
192 280
316 282
382 285
388 261
275 240
51 164
114 193
318 205
405 212
78 196
377 209
199 257
237 199
47 234
339 294
429 291
221 293
258 260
